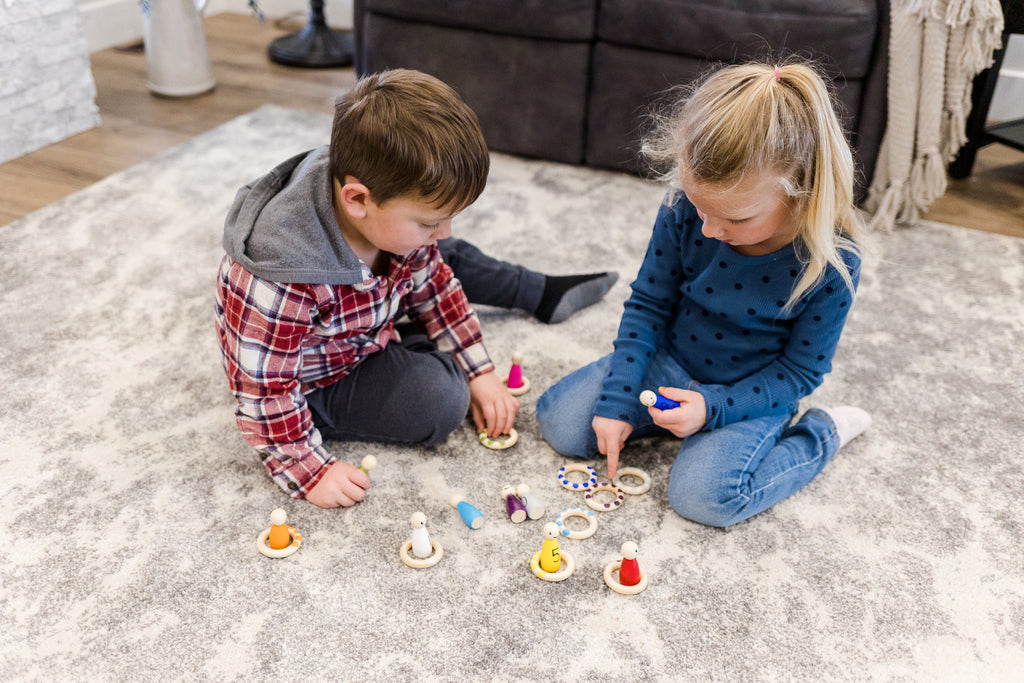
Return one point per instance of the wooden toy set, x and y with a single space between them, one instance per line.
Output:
551 562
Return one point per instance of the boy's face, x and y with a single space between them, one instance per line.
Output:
404 224
397 226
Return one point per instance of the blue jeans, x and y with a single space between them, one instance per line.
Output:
719 477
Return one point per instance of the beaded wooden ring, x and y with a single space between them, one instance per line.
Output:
577 486
568 566
576 512
593 503
502 442
611 569
643 487
264 547
421 562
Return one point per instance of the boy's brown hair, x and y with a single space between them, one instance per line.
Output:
406 133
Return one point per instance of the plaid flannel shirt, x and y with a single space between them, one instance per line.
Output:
280 341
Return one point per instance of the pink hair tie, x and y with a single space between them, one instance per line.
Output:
778 76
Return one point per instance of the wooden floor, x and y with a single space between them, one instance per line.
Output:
137 125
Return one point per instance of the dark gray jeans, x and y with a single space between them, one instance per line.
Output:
411 392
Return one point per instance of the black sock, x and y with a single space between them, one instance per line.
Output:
565 294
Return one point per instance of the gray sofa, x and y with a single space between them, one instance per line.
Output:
570 80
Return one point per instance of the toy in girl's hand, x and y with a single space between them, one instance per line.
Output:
513 506
630 579
651 399
279 540
425 552
534 508
473 518
516 383
368 463
550 563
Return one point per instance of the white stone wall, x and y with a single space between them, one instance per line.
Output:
46 87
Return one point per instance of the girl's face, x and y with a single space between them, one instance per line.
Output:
753 217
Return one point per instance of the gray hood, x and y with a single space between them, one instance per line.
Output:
282 227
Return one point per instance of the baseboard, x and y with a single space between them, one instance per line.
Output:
113 22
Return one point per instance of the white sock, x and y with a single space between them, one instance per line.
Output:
850 422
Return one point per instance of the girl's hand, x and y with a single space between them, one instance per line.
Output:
494 409
611 437
685 420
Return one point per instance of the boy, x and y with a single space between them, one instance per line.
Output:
323 253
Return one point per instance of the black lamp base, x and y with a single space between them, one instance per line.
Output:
316 46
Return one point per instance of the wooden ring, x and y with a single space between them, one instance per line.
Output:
613 567
421 562
264 547
576 486
604 507
576 512
521 389
563 573
643 487
500 444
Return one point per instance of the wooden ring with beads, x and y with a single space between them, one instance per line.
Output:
521 389
593 503
563 573
611 569
576 512
421 562
643 487
589 471
502 442
264 547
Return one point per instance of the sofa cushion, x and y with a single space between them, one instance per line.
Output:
841 32
551 19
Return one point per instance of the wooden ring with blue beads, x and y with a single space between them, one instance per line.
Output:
568 566
589 471
593 503
577 512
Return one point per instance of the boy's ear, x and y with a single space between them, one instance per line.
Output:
352 196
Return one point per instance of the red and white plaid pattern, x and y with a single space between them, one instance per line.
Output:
280 341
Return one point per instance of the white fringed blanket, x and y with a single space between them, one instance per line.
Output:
936 48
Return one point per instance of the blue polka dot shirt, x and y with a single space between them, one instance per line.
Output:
720 315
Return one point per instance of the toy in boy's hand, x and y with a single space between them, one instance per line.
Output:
516 383
473 518
368 463
550 563
534 508
279 540
651 399
502 442
425 552
630 579
513 506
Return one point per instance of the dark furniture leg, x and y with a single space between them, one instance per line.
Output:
316 45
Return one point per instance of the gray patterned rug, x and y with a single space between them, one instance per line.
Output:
131 504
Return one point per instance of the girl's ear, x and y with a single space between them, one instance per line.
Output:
352 196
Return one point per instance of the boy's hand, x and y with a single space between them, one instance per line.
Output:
611 437
685 420
494 409
342 485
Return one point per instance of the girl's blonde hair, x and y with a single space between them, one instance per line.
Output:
746 120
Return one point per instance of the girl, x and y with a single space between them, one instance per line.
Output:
739 303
